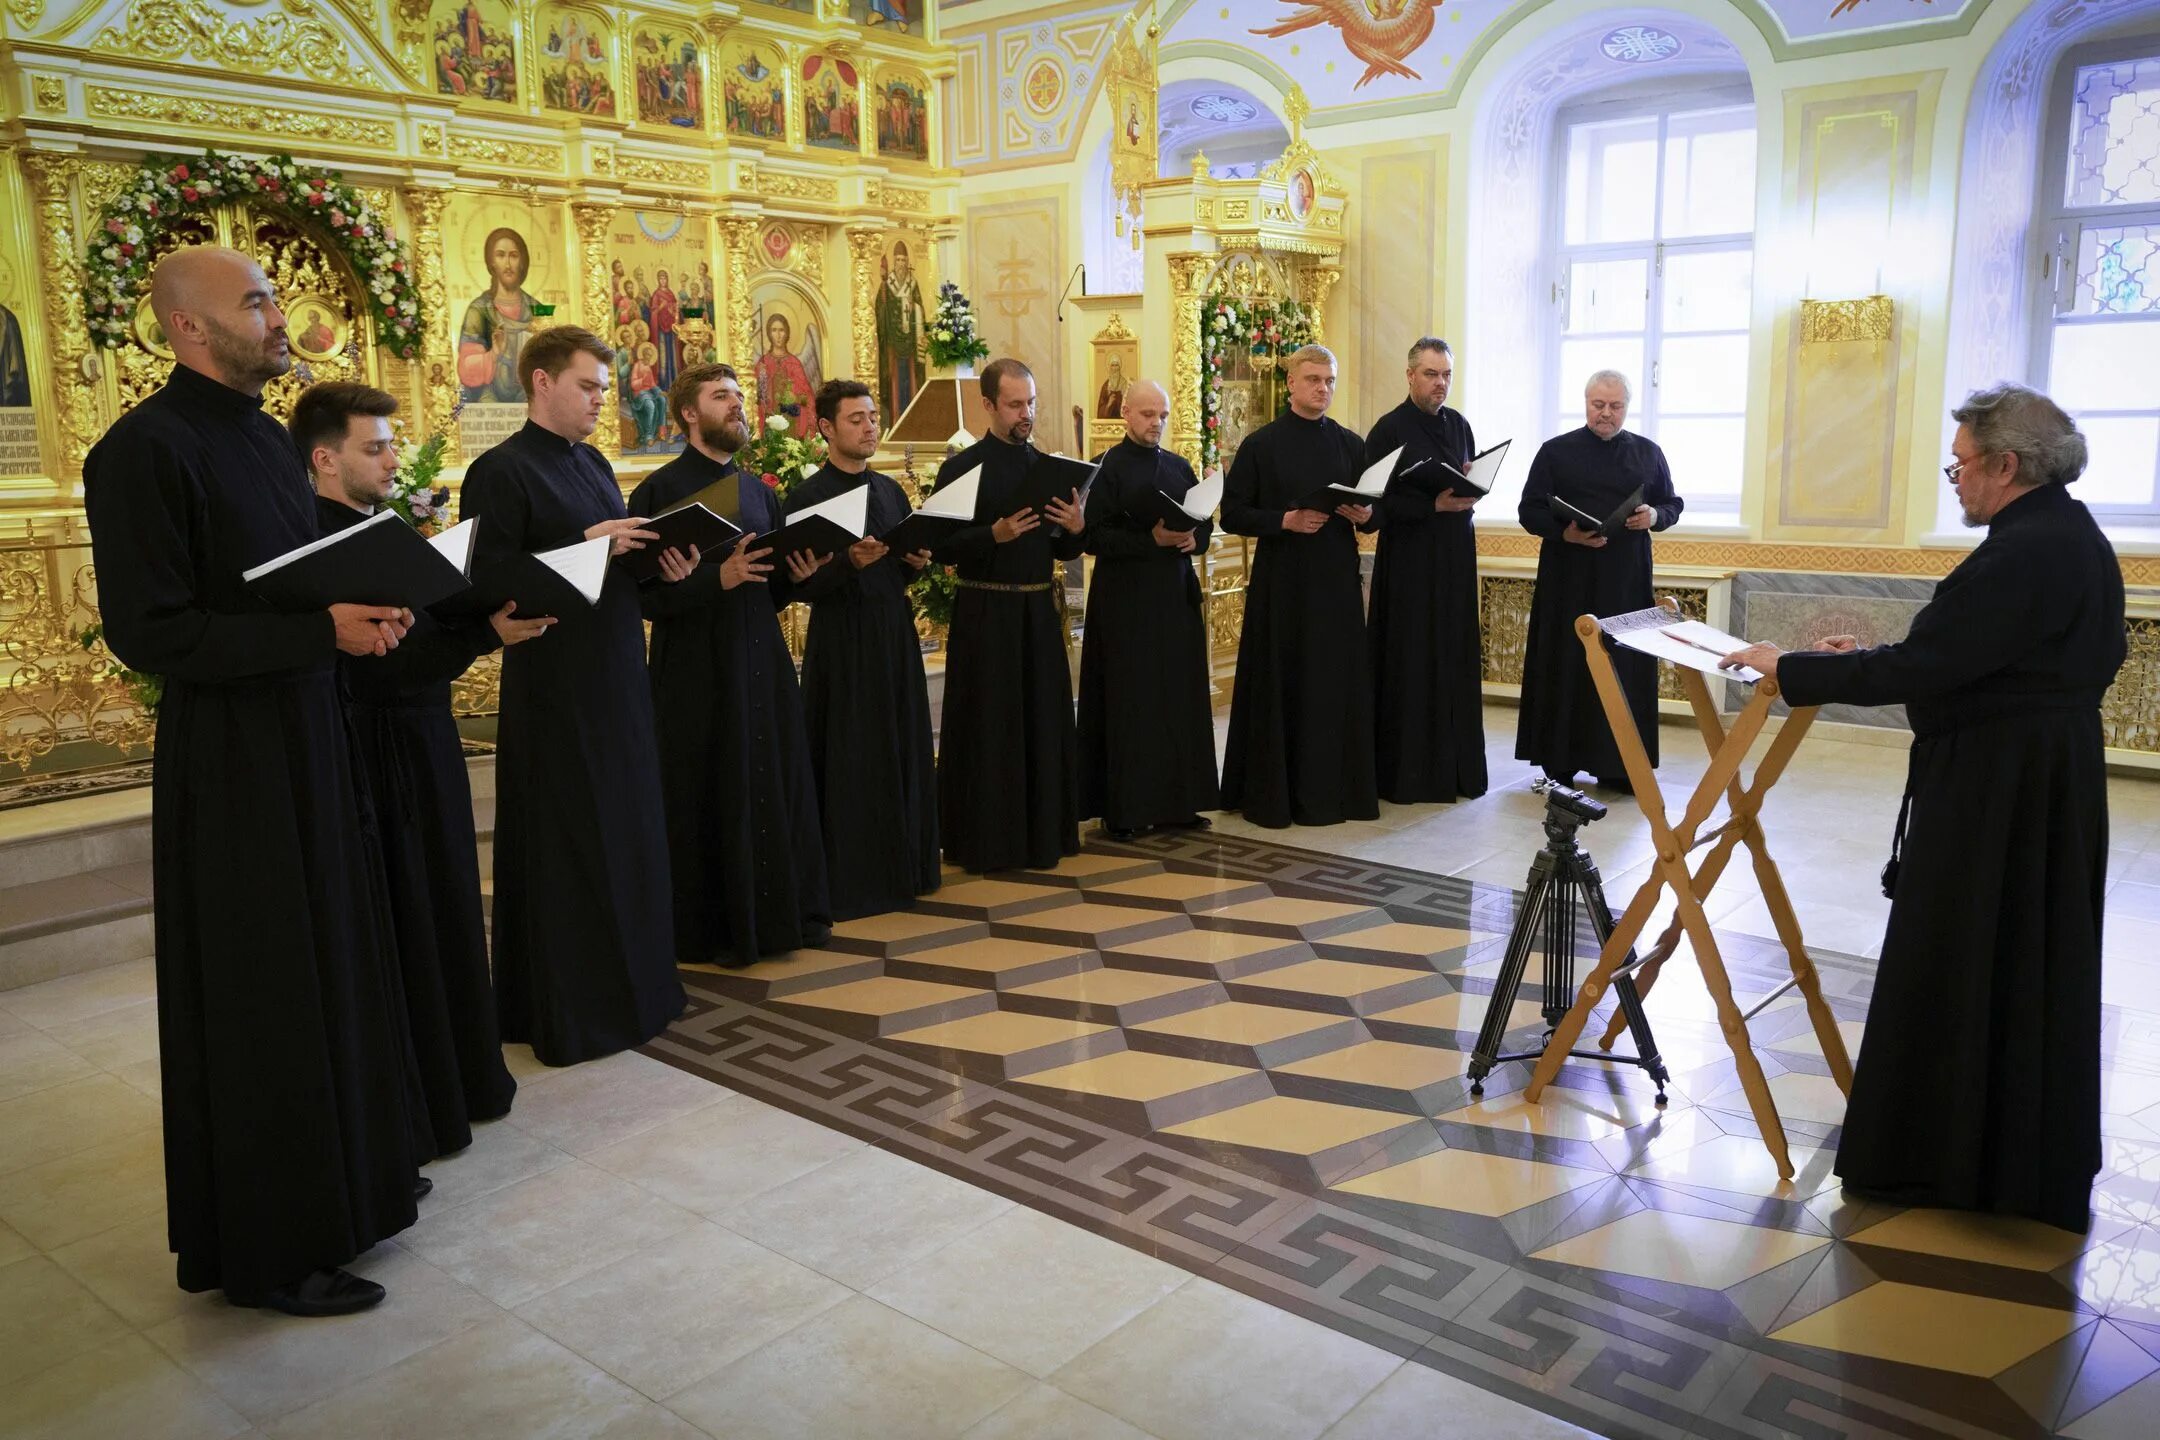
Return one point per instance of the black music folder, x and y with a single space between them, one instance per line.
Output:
381 561
1610 526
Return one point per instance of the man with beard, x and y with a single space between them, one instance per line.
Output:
1147 723
1301 729
1978 1083
1428 697
1561 726
865 702
584 943
1008 793
415 771
281 1030
742 799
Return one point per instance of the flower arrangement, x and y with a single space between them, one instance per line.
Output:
933 594
145 690
117 268
1259 328
953 340
414 493
776 456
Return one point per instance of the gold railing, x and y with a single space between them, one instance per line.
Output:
62 706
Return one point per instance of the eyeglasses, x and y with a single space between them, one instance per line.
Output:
1952 470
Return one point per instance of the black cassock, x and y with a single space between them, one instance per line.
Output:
281 1026
1978 1081
1428 673
414 766
584 935
1008 757
742 804
866 706
1301 727
1562 727
1147 722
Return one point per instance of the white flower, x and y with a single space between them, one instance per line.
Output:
776 423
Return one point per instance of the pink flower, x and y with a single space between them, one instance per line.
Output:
314 197
771 479
190 194
179 172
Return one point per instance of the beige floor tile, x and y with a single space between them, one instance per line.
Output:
986 961
91 1190
1471 1181
865 1216
1002 1032
12 1246
525 1239
1303 917
1136 1075
1989 1239
1091 922
998 897
1337 979
1741 1163
1940 1329
1562 1114
1240 1023
1209 947
2126 1092
46 1317
1292 1127
881 996
1111 987
501 1155
264 1365
1042 1412
31 1061
77 997
1419 1401
1059 1289
1089 867
523 1065
788 974
1799 1097
145 1077
113 1038
1685 1249
1192 892
131 1268
1208 1362
1805 1043
9 1025
125 1390
1429 942
673 1313
714 1159
498 1381
585 1107
899 926
858 1370
1458 1012
75 1116
1385 1064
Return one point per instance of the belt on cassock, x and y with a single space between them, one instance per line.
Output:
1002 589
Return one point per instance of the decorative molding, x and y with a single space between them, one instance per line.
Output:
509 154
681 174
865 247
1825 322
739 241
438 348
896 197
52 182
252 120
49 94
1114 328
1314 284
593 222
431 138
780 185
1186 278
294 43
27 13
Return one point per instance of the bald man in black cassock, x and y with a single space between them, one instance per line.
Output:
281 1025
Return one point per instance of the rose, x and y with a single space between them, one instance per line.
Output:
770 479
776 423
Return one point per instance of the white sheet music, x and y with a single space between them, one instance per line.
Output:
850 510
1657 631
583 564
1377 474
456 544
955 501
1202 500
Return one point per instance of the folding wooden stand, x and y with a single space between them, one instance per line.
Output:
1674 843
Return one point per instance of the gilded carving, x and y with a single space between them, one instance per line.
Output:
598 301
1314 283
644 170
261 120
888 196
431 138
27 13
439 359
739 238
54 691
1186 272
1829 321
603 160
865 247
510 154
52 177
49 94
782 186
1504 626
294 43
2130 712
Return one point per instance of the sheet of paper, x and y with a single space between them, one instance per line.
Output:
955 501
1204 498
1656 631
1377 474
583 564
849 510
456 544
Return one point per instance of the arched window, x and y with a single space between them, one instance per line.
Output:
2096 320
1654 237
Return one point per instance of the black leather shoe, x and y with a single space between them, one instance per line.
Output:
1567 779
1197 822
1620 783
423 1186
1112 832
326 1292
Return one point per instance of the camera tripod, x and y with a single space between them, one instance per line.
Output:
1563 880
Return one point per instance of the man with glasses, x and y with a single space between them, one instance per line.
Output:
1978 1082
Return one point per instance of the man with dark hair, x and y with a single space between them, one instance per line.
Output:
742 805
283 1058
415 770
1428 675
1008 779
864 697
1978 1082
584 944
1147 721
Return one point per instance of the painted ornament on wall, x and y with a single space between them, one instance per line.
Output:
658 275
902 332
753 94
575 73
1381 34
475 51
670 77
832 118
903 117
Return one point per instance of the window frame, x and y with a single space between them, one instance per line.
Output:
2057 233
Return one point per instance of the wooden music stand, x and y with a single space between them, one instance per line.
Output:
1675 841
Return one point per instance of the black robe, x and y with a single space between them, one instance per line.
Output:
1147 719
742 805
414 766
1562 726
1008 757
584 937
1978 1082
1428 670
281 1028
1301 727
866 706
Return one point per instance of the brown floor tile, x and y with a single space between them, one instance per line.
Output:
998 963
1190 893
1418 947
1384 1074
1241 1034
901 932
1292 919
1001 1045
1092 924
1209 954
1341 987
866 1009
1113 997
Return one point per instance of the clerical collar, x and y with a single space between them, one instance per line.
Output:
2033 502
699 458
194 386
536 433
1315 422
1008 444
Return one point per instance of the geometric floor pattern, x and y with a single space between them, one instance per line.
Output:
1248 1060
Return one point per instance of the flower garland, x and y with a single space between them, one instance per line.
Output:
118 265
953 340
1258 328
778 458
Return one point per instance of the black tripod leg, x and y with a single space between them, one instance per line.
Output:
1502 1003
1631 1006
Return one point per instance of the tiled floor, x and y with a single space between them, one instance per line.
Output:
1177 1143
